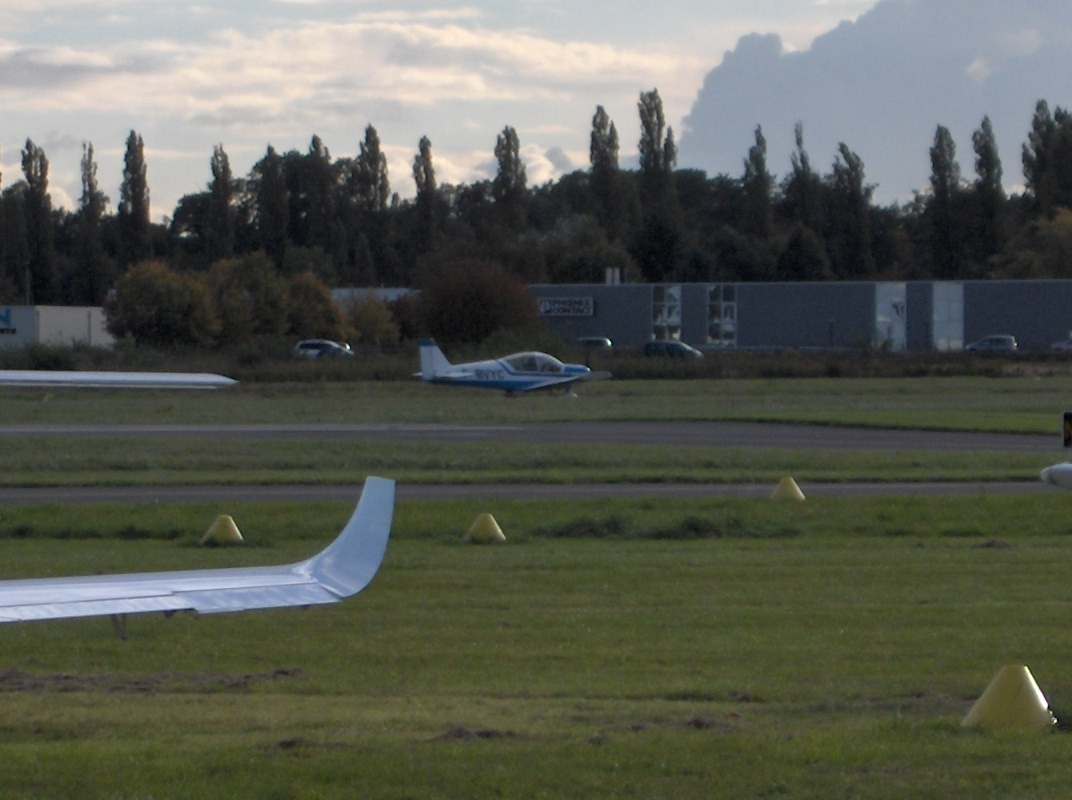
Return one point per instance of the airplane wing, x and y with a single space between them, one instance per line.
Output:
113 380
342 569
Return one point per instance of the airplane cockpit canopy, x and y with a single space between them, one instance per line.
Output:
533 362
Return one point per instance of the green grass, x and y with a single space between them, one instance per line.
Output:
821 649
89 461
1012 404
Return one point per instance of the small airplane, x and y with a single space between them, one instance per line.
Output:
520 372
343 568
113 380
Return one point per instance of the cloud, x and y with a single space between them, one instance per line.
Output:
883 83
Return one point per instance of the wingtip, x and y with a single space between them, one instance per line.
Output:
349 563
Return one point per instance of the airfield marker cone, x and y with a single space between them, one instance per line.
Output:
787 490
222 531
1012 701
485 529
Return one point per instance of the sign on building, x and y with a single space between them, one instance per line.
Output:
566 306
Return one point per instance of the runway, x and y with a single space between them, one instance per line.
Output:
64 495
674 434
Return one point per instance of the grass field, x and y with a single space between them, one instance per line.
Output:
641 648
1013 404
712 648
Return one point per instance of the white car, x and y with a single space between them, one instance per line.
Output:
322 348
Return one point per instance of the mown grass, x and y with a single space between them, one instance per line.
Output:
94 461
1012 404
696 648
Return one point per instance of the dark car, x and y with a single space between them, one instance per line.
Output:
671 348
993 344
322 348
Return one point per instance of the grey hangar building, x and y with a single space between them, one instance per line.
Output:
910 316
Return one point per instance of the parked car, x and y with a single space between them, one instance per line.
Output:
1065 345
595 343
322 348
993 344
671 348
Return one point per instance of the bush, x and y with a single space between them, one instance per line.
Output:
468 301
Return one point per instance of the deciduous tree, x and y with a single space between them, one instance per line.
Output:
156 306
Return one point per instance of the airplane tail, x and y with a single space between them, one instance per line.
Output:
433 362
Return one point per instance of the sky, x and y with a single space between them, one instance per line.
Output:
190 75
882 84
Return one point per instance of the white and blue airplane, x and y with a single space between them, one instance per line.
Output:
343 568
520 372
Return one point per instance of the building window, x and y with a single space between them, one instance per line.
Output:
722 315
666 312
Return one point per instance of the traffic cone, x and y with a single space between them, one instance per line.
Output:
1012 701
485 530
787 490
222 531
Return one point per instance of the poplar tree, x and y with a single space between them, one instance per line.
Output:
373 187
133 212
848 232
91 277
657 245
989 191
508 187
37 206
425 180
220 224
658 154
803 188
757 189
606 182
945 188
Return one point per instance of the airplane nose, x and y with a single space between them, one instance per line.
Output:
1044 476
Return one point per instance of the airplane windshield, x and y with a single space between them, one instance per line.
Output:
534 362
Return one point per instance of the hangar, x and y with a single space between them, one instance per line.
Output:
912 316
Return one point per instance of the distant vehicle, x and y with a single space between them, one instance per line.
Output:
1063 345
595 343
993 344
322 348
671 348
520 372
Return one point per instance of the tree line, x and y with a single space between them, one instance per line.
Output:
303 221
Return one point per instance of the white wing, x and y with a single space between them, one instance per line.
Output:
342 569
113 380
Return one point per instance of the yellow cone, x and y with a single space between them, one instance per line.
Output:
485 529
1012 701
222 531
787 490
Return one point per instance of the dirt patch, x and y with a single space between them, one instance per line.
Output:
16 680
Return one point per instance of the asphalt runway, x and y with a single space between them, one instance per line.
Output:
679 434
64 495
